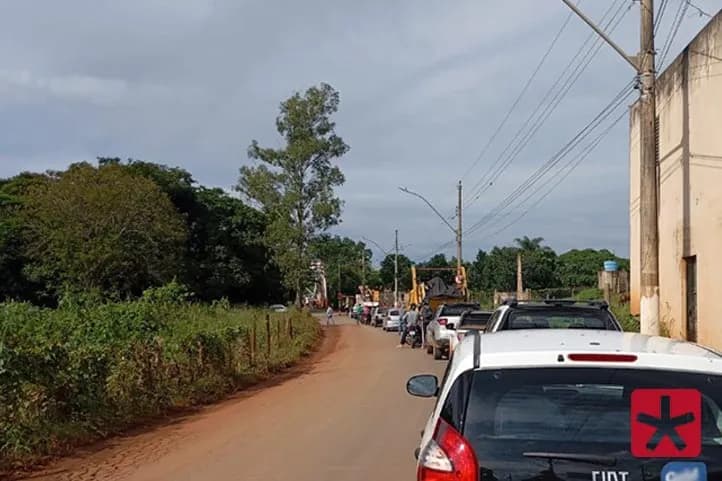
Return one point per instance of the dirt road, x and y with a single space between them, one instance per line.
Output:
346 417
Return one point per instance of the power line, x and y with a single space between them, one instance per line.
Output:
555 159
520 96
544 169
574 164
522 137
701 12
676 23
660 16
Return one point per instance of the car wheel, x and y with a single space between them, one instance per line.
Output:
437 353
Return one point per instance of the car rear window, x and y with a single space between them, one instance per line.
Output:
573 410
558 318
476 319
457 309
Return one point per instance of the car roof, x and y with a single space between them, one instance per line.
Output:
550 348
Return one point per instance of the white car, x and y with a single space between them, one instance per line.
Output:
392 321
279 308
553 314
559 404
438 338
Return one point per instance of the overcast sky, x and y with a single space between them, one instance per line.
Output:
423 84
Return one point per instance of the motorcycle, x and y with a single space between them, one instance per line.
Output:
413 338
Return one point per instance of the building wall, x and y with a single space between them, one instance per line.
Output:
689 110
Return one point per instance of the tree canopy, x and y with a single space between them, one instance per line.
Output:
101 229
294 185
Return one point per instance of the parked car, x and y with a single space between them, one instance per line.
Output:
437 335
378 317
553 314
392 321
469 321
556 404
279 308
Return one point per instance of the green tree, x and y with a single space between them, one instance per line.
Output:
478 275
341 254
14 283
294 185
578 268
500 268
539 263
224 253
101 229
387 272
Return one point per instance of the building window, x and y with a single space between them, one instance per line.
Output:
691 297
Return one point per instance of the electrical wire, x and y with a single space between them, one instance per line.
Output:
606 112
701 12
555 159
676 23
660 16
522 137
570 166
527 84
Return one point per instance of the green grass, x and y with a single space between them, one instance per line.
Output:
81 372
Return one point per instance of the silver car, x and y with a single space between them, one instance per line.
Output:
392 321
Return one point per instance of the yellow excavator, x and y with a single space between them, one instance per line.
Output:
418 293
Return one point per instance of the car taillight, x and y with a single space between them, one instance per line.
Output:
443 321
447 457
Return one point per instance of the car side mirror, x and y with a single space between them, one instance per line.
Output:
451 326
423 385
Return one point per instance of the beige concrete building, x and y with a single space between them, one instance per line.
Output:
689 111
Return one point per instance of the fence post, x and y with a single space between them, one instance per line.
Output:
268 336
253 342
278 332
290 327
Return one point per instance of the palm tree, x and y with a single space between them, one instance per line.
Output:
526 244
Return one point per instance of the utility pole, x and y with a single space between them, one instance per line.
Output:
458 235
396 269
649 234
339 284
519 280
649 182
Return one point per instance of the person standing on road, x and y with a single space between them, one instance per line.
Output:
329 316
409 320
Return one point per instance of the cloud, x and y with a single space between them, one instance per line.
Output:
423 85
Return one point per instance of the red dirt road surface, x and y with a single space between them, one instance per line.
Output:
344 415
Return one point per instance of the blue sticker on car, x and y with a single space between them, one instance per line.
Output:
684 471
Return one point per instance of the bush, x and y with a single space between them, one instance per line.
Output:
86 370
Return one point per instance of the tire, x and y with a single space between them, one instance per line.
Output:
438 353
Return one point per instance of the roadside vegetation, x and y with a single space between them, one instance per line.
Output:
87 370
118 280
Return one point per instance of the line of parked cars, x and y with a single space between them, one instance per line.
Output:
547 390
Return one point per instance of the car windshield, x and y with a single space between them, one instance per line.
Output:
574 410
457 309
558 318
393 312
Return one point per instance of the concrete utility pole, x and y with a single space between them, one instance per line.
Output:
519 280
396 268
643 63
649 233
458 235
